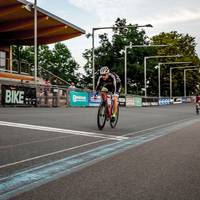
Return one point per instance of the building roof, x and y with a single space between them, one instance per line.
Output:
17 24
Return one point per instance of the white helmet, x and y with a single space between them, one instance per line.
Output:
104 70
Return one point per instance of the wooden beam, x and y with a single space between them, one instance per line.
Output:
20 23
6 10
16 76
52 39
22 35
42 40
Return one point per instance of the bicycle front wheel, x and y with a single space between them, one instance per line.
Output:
101 116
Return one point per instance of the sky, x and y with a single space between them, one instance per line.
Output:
165 16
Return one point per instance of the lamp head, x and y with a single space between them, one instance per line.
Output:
28 7
149 25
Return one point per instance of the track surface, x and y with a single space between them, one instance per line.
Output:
60 154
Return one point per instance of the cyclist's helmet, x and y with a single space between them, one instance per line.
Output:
104 70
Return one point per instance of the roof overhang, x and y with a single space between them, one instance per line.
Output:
17 25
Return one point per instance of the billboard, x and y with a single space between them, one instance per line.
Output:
93 101
164 101
137 101
78 98
18 95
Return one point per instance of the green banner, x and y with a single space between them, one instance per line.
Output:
78 98
137 101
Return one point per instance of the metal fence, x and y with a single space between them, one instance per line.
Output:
48 95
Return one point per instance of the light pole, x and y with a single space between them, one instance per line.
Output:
167 63
109 27
145 68
125 61
35 41
170 74
185 80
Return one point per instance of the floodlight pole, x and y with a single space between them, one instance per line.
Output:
125 60
167 63
145 67
185 80
170 74
35 42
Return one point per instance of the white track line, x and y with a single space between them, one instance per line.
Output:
59 130
34 141
155 127
64 150
50 154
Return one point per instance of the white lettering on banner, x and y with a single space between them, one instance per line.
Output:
15 97
79 98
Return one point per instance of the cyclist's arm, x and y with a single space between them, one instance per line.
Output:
98 84
114 83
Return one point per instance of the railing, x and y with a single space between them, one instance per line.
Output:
25 68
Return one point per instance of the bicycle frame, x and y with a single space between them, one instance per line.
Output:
107 97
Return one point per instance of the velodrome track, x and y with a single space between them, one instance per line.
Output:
58 153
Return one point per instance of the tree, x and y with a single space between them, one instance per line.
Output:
62 64
58 61
111 53
179 44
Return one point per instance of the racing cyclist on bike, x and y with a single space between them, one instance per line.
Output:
112 82
198 99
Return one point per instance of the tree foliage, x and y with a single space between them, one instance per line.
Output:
184 45
110 52
58 60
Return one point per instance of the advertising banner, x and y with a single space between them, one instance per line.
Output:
18 95
178 100
122 101
137 101
184 99
189 99
129 101
78 98
150 101
164 101
93 101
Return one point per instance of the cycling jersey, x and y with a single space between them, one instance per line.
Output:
111 83
197 99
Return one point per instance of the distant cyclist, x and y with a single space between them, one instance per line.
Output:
197 103
112 82
198 99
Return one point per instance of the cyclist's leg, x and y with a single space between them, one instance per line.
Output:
115 104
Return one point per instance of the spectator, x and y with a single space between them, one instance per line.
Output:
72 85
46 90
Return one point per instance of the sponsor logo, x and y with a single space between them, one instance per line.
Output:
79 98
14 97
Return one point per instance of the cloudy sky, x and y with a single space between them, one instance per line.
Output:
180 15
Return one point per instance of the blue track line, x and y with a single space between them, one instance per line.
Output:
26 180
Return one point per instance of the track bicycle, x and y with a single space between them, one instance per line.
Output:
197 108
105 110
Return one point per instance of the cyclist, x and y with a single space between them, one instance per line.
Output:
112 82
197 100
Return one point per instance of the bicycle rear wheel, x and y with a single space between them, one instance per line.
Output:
114 123
197 109
101 116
